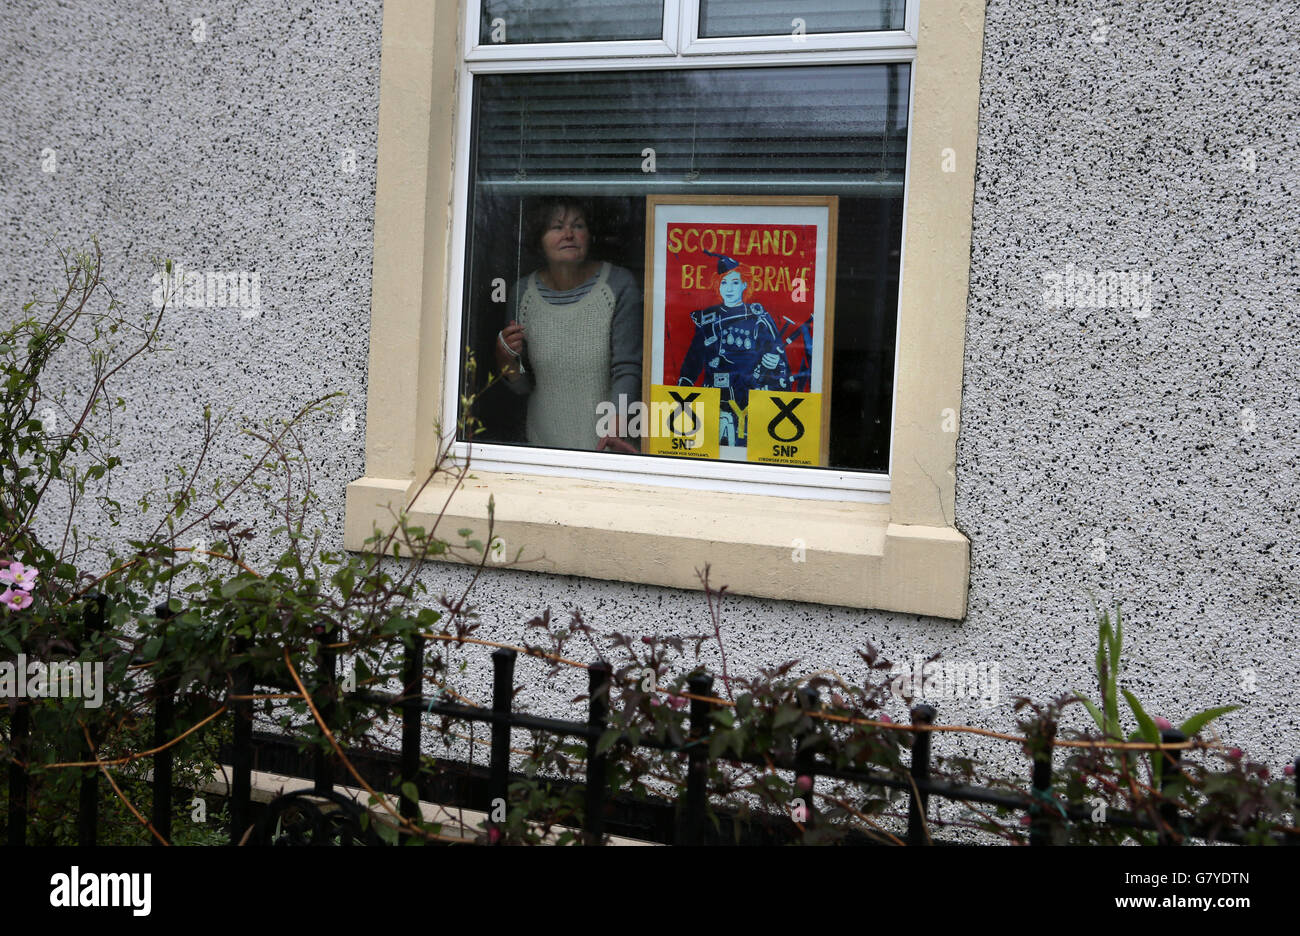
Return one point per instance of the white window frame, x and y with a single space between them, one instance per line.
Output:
680 36
691 43
681 24
666 44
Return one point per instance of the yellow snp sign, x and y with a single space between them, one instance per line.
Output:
683 421
784 428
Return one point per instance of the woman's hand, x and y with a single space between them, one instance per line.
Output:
510 349
615 444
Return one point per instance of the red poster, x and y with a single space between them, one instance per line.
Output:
740 293
734 295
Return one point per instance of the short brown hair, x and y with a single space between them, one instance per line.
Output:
539 218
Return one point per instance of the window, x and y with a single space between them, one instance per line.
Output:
833 107
765 139
774 118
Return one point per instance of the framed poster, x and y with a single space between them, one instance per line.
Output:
740 299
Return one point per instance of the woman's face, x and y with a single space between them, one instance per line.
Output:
566 238
732 288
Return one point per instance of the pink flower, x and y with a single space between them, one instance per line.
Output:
1289 770
1235 754
4 563
1025 820
1163 724
494 835
675 702
15 600
803 783
886 719
20 575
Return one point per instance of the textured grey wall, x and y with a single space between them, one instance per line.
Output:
1150 460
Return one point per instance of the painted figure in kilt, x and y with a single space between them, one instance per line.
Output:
737 348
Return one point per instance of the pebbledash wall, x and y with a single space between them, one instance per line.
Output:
1147 456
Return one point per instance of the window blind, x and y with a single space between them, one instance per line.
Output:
827 129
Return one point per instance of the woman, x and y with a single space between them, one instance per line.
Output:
574 338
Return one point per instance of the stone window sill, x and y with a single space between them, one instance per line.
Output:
826 552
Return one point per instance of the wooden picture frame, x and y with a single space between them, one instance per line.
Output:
783 248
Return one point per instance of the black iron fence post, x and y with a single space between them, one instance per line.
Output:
919 800
88 800
412 708
164 728
809 701
1292 837
88 795
1041 818
598 688
20 745
691 828
241 781
503 690
327 680
1170 769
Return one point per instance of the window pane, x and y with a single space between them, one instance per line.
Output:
524 21
719 18
612 138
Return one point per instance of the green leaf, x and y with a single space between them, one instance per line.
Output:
744 705
1147 728
410 792
607 740
1200 720
235 586
1118 644
1092 710
787 715
151 648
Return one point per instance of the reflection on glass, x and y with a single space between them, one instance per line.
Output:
528 21
606 140
719 18
572 338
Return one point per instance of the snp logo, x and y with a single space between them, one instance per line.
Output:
103 890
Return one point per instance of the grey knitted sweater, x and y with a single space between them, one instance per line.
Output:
582 347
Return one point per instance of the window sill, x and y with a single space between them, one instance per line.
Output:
825 552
